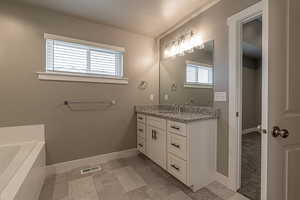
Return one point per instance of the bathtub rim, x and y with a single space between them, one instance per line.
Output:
13 186
24 151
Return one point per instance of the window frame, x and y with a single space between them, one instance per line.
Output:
77 76
195 84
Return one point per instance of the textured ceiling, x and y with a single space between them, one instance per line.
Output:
148 17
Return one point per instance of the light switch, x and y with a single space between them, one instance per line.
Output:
220 96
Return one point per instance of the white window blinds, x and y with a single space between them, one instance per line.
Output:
70 57
197 74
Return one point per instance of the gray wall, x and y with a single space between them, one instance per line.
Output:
212 24
27 100
251 103
252 33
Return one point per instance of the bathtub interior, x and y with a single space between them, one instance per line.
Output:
22 162
11 159
7 154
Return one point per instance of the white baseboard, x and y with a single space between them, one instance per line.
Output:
103 158
223 180
249 130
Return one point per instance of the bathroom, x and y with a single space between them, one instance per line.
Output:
124 100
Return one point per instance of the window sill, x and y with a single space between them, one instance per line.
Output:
57 76
190 85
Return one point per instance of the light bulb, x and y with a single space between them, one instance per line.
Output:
180 47
184 44
173 50
167 53
197 41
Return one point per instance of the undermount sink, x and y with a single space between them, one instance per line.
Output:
167 111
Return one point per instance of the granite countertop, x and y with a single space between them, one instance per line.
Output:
189 114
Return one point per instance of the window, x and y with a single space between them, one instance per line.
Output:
198 74
71 57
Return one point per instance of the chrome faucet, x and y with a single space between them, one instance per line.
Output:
178 108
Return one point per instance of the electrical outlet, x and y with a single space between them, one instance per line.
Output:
166 97
151 97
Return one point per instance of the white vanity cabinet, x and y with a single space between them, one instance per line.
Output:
185 150
156 140
141 133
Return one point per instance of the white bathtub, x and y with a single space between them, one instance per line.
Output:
22 164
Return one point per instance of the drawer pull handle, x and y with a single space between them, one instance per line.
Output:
175 127
140 145
140 130
154 134
176 145
140 118
175 167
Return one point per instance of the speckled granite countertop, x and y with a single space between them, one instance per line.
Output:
189 113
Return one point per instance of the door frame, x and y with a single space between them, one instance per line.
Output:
235 23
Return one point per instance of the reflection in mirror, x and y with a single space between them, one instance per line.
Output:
188 79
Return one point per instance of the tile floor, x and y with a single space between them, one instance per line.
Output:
134 178
251 165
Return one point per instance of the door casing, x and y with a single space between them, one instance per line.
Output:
235 23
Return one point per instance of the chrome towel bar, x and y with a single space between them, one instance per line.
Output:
76 105
113 102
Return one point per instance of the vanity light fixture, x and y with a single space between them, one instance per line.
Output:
184 44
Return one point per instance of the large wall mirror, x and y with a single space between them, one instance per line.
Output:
188 79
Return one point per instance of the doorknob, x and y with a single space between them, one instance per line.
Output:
280 132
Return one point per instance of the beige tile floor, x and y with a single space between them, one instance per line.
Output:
134 178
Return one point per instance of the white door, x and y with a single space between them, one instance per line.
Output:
156 145
284 100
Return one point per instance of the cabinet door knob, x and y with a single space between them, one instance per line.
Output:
155 135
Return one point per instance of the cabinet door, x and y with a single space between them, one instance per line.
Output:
156 145
149 139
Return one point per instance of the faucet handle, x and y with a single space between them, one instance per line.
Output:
181 108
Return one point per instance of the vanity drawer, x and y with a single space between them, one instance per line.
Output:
177 127
141 130
141 145
156 122
177 145
141 118
177 167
